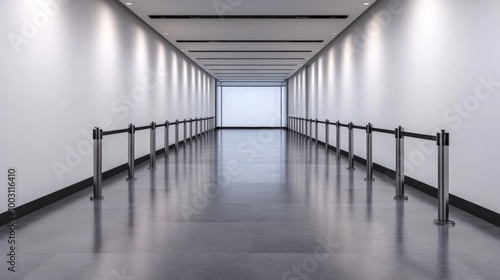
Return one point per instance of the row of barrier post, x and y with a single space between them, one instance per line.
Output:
201 125
300 125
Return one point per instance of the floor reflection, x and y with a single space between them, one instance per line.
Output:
265 221
443 255
97 226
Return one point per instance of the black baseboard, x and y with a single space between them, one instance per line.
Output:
39 203
465 205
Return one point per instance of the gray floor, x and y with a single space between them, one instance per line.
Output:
251 204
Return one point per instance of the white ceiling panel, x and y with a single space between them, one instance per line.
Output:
254 57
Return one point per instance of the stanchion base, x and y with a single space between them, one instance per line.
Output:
351 168
131 179
97 198
370 179
445 223
401 198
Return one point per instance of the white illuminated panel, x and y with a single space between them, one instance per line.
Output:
251 106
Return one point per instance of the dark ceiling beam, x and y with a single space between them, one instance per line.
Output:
248 16
250 41
251 51
250 58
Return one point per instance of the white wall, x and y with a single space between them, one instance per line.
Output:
425 65
72 65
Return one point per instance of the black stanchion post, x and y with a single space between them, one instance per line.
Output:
400 175
304 126
152 146
97 135
443 142
185 133
369 153
338 140
176 136
191 130
201 126
300 126
166 140
351 147
310 129
316 132
327 135
131 153
196 128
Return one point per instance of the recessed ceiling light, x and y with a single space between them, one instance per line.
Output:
366 3
165 33
334 33
129 3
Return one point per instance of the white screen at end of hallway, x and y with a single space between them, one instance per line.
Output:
251 107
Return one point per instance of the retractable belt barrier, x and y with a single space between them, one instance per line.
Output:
207 125
299 125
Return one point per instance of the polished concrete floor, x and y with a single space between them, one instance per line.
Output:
250 204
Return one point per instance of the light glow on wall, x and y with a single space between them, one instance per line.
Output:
140 51
107 46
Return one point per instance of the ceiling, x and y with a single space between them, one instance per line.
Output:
249 40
